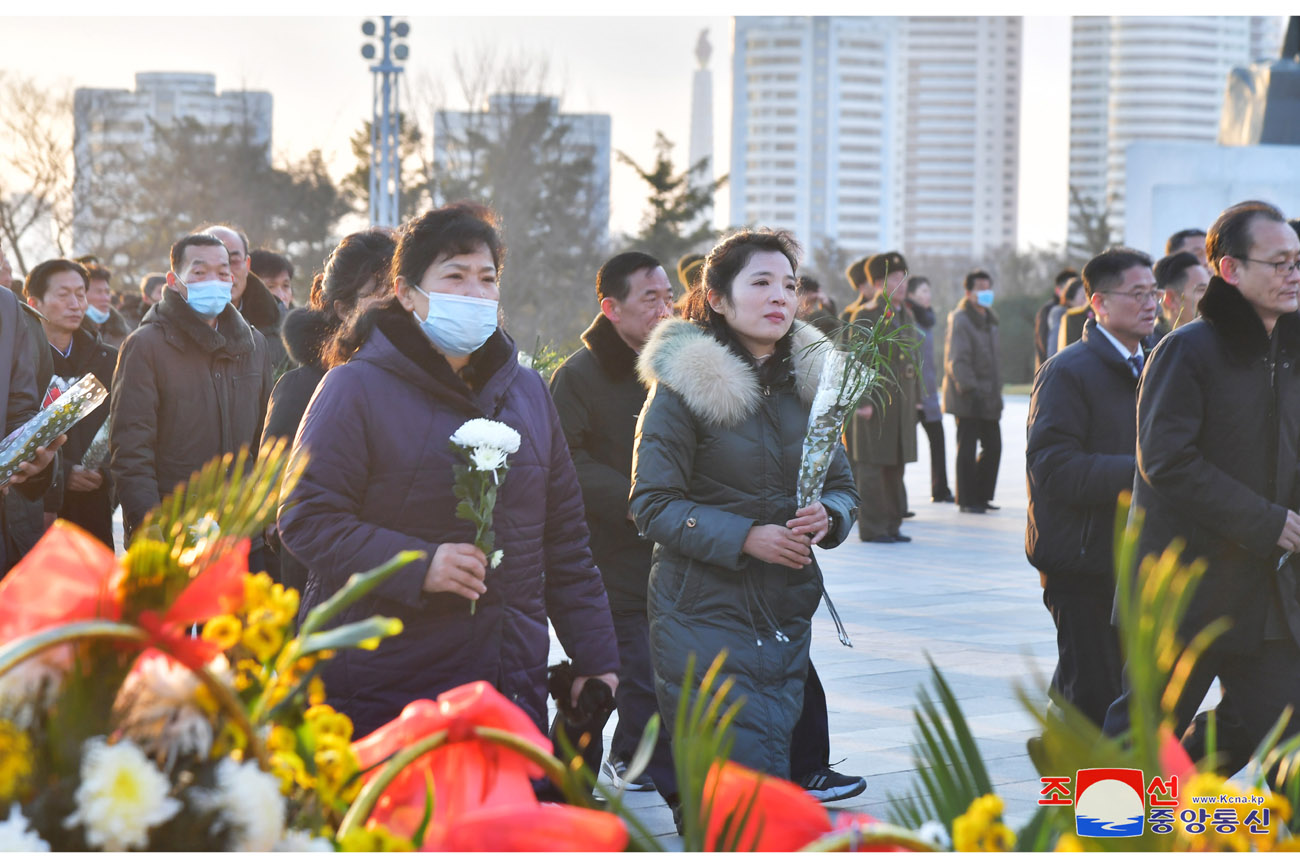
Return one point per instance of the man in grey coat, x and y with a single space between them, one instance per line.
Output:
972 391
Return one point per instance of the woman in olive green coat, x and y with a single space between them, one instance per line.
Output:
713 485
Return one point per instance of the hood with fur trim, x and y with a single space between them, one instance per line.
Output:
720 387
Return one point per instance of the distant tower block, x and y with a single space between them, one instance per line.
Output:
702 118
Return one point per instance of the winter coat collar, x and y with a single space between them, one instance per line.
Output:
1239 326
925 316
180 324
980 318
258 306
399 346
304 334
1096 341
85 344
718 385
611 350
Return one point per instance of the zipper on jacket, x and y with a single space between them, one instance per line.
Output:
1273 427
1083 537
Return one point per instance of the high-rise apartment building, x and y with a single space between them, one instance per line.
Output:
110 123
878 132
586 136
1148 78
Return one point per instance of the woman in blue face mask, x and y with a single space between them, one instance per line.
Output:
405 376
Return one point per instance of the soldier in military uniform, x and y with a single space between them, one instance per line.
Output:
881 435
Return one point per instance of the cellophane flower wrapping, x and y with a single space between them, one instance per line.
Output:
838 391
81 398
96 453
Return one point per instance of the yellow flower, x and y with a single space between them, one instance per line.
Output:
290 770
1069 844
981 828
316 692
257 590
15 760
327 723
284 602
281 739
248 673
222 630
362 840
336 763
263 639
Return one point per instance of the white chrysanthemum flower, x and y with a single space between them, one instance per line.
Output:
497 556
486 433
32 687
121 796
302 842
935 834
488 459
249 802
158 707
16 834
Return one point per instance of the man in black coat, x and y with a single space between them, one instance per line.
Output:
1079 458
250 296
1042 326
1218 432
599 396
57 289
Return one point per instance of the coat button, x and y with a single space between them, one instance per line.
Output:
690 522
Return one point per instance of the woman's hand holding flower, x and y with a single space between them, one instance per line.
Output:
778 545
811 520
459 569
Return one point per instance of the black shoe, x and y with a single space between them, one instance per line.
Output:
898 536
826 785
907 514
947 497
991 507
616 769
881 539
973 509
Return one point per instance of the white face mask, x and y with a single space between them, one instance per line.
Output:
208 298
96 316
457 324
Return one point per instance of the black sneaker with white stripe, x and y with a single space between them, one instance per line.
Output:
616 769
826 785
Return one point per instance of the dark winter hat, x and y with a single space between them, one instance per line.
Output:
885 263
857 273
689 268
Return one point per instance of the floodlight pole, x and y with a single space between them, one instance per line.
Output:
385 160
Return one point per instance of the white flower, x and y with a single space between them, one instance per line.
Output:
933 833
485 433
249 802
158 707
121 796
497 556
487 459
302 842
32 687
17 836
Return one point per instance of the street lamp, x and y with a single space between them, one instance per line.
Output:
385 132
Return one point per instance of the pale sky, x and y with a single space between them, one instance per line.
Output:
636 69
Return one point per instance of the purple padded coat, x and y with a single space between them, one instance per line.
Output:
378 481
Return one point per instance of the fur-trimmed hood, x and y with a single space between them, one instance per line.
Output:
1228 312
716 384
305 332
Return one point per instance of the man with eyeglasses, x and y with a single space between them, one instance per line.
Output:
1080 456
1218 439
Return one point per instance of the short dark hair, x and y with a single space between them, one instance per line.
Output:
1177 239
98 272
151 281
856 273
728 259
914 283
266 263
195 240
1075 284
968 282
612 278
87 260
38 280
881 264
1064 275
445 232
1103 271
1172 269
1230 234
807 285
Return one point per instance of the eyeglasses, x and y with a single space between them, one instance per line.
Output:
1151 296
1280 269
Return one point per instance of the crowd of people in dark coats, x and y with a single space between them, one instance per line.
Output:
649 514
